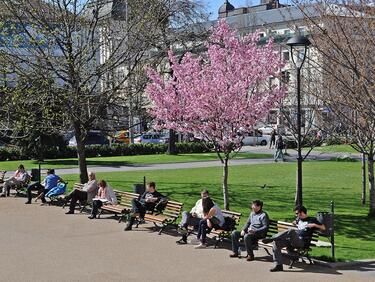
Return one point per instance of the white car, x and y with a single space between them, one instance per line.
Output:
152 137
266 130
258 139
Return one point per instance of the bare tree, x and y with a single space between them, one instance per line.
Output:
344 37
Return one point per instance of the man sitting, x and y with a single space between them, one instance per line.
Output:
147 202
255 228
19 177
192 218
292 238
88 192
49 182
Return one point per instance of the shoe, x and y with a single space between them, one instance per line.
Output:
277 268
250 257
28 202
182 241
128 227
69 212
2 195
201 246
267 240
233 255
92 217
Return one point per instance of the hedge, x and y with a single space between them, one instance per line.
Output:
14 153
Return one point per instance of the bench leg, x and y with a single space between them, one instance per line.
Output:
267 251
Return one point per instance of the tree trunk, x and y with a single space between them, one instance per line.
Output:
81 155
172 150
370 161
225 182
363 179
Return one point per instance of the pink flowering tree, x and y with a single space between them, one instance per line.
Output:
219 95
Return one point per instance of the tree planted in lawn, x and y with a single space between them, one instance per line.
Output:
219 95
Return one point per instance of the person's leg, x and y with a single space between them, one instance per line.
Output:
76 195
281 240
31 187
185 217
95 207
236 235
137 208
251 242
203 231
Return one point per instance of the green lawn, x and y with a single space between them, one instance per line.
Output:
323 182
125 160
336 149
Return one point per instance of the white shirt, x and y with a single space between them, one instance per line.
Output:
198 209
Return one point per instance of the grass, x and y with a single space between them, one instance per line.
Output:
336 149
322 182
126 160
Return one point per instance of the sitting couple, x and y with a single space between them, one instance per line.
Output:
204 216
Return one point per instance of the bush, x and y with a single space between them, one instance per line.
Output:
53 152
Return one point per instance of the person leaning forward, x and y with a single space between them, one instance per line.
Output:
148 202
292 238
255 228
192 218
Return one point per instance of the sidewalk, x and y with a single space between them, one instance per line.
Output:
41 243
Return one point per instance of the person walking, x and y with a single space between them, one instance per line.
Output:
273 138
279 149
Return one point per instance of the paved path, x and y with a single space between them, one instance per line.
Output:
41 243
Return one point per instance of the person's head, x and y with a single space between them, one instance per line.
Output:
151 187
21 167
102 184
257 206
92 175
50 171
204 193
300 211
207 204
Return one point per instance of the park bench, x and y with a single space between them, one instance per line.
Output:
166 218
294 254
2 175
123 206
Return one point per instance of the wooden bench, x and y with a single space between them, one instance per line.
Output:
123 206
294 254
2 175
167 217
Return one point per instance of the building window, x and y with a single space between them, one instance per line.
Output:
286 56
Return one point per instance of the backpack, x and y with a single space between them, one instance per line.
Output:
229 223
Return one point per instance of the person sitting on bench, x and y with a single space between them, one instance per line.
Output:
255 228
88 192
192 218
148 201
19 177
213 218
105 196
49 182
292 238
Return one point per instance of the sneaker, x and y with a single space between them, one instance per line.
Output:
69 212
201 246
233 255
28 202
277 268
267 240
92 217
128 227
250 257
182 241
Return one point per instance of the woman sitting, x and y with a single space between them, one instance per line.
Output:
213 218
105 196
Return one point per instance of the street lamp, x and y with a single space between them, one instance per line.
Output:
298 47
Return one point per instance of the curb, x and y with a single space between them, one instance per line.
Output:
344 264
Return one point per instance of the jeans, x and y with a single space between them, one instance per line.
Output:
189 220
251 241
288 238
278 154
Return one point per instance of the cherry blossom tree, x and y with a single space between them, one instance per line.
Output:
219 95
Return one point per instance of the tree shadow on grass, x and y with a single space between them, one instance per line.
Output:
355 226
74 163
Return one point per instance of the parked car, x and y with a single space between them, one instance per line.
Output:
266 130
152 137
92 138
256 139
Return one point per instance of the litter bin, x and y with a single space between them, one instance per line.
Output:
139 189
34 174
326 218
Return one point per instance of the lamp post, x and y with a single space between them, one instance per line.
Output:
298 46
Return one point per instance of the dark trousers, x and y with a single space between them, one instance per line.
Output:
33 187
96 205
139 207
288 238
189 220
203 229
251 241
74 196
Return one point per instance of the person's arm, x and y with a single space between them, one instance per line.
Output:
194 209
317 224
247 224
211 213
